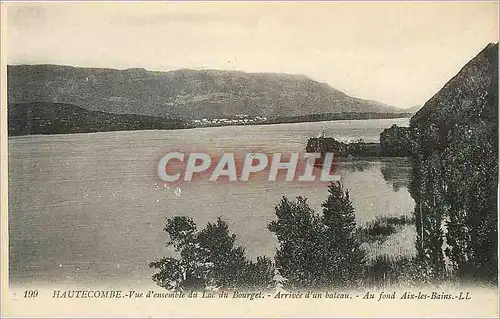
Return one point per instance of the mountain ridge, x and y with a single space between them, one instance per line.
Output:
184 93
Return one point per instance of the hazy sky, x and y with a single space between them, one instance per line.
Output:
399 53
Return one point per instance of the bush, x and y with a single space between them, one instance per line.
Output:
208 259
318 250
395 141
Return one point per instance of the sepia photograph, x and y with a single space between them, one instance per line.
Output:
279 159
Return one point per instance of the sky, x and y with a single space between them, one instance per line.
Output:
398 53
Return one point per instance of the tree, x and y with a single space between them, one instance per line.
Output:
188 271
208 258
318 250
344 257
299 231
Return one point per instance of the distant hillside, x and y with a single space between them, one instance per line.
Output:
188 94
57 118
413 109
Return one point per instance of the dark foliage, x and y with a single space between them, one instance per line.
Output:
395 142
388 271
455 174
318 250
335 117
208 258
57 118
331 145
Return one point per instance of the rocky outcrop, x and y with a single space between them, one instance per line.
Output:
455 173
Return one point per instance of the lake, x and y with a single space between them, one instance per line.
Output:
88 208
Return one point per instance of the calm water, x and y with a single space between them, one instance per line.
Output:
86 208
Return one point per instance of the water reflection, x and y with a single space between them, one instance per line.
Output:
356 165
396 172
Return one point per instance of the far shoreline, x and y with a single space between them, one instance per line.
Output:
17 136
